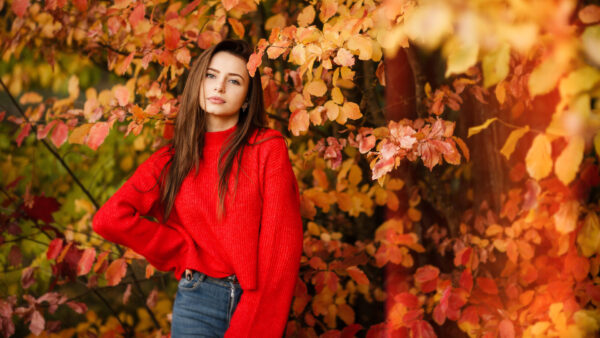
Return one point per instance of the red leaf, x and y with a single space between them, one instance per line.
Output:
358 275
127 294
15 256
85 262
506 329
487 285
351 330
36 326
137 15
125 65
43 132
422 329
78 307
189 8
115 272
2 114
54 248
426 273
171 37
20 7
42 209
407 299
27 278
100 261
97 134
466 280
23 133
81 5
152 297
59 134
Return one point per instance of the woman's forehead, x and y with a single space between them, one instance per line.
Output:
227 62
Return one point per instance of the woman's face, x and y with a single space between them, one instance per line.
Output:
223 90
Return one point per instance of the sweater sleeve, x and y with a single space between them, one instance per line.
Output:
264 311
120 219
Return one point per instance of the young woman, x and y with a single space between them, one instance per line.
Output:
227 204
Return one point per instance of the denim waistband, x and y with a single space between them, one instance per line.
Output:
225 281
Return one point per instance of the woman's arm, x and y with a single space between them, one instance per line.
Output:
120 219
263 312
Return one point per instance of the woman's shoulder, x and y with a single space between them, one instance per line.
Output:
268 138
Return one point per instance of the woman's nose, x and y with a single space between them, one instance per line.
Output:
220 86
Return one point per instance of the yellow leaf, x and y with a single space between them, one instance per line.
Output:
511 141
298 55
495 66
538 159
73 87
461 57
79 134
361 45
500 92
30 97
351 110
429 23
567 163
591 41
588 237
544 77
347 73
355 175
578 81
317 88
307 16
565 219
479 128
333 110
337 96
277 20
328 9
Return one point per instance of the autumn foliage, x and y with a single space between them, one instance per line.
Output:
446 154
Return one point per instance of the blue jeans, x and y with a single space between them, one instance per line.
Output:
203 306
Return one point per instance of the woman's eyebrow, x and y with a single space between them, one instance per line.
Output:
236 74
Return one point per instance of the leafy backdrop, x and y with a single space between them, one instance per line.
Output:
446 153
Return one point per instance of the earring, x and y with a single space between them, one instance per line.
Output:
245 105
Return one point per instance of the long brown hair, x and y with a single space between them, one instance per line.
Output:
190 126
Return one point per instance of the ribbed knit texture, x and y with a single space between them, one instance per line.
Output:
259 238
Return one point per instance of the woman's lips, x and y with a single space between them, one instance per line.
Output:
216 100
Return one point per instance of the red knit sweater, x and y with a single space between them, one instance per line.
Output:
259 238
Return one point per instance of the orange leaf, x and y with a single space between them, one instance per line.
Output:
506 329
299 122
307 16
487 285
328 9
253 62
358 275
85 262
100 261
171 37
346 313
238 27
590 14
229 4
116 271
539 160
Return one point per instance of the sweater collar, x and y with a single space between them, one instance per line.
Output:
217 138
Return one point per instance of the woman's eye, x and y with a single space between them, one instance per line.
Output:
210 75
235 82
